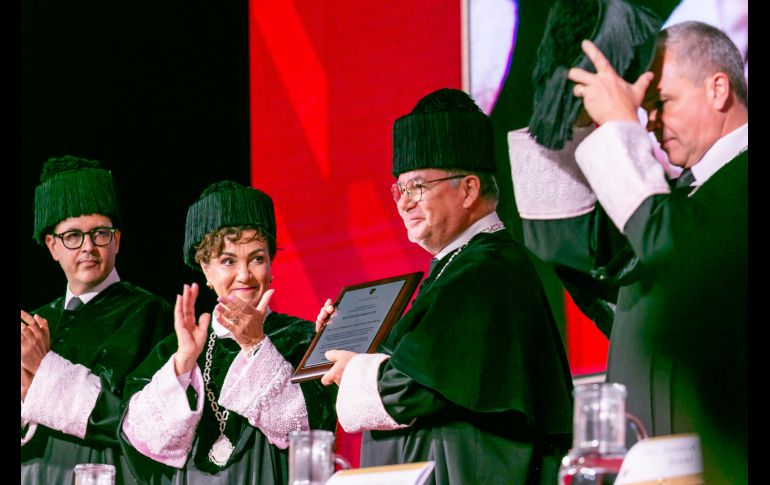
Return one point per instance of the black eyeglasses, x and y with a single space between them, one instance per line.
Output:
100 236
413 188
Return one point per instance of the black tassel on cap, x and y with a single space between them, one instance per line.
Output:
626 35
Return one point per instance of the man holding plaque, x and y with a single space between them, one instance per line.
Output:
474 376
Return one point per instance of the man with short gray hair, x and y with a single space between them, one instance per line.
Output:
679 334
474 376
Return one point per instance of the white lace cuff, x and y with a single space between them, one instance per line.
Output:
618 161
259 388
30 432
27 434
62 396
359 405
547 184
159 422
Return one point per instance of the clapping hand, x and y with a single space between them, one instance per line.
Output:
244 321
35 340
35 344
190 337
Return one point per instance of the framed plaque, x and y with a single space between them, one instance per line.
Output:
363 317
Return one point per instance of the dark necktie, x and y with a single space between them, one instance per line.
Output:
686 179
74 303
433 263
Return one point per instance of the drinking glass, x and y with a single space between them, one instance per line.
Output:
94 474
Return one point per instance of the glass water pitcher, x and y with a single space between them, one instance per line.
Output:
599 435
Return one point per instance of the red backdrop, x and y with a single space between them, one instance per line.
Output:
327 81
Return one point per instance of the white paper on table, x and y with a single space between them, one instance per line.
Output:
674 458
406 474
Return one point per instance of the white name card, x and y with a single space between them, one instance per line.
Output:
406 474
674 460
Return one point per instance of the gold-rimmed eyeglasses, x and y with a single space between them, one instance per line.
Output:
414 188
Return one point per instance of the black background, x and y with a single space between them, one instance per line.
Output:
158 93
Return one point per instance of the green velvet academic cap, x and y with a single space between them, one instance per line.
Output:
446 129
624 32
73 187
226 204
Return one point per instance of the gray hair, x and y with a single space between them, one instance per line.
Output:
488 188
705 50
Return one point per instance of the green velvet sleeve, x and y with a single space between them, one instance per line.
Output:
409 402
590 257
144 328
405 399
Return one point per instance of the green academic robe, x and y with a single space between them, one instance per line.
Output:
110 335
679 335
254 459
479 367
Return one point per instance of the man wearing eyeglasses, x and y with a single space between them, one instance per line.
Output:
474 376
77 350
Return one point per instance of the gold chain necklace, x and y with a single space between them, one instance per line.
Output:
222 448
455 253
497 226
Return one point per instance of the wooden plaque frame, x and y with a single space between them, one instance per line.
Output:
411 281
